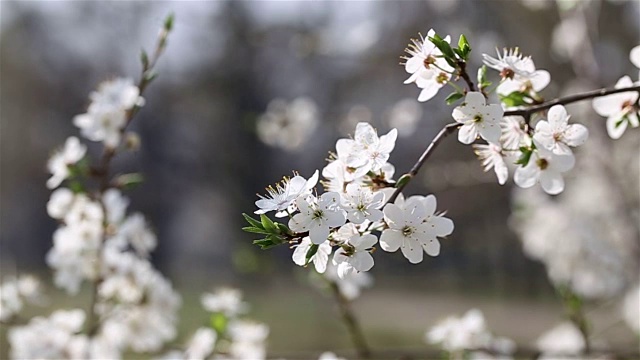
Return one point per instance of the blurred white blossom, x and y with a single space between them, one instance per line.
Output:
58 165
288 125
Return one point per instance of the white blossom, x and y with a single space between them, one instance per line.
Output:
59 163
55 337
514 134
201 344
362 204
414 227
60 203
492 156
137 233
366 151
247 339
288 125
546 168
404 116
477 118
619 109
328 355
14 293
282 198
115 205
351 284
557 135
317 216
354 255
518 73
224 300
564 339
455 334
634 56
427 67
116 94
631 309
319 259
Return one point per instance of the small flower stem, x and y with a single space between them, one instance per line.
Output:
444 132
574 308
348 317
527 112
462 67
103 170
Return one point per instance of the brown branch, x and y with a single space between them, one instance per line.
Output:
350 320
406 178
526 113
463 74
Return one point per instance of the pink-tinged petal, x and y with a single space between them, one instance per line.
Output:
300 223
576 135
300 253
431 247
527 176
412 250
475 100
430 204
428 92
557 117
552 182
540 79
413 64
362 261
318 233
441 226
467 133
394 216
390 240
490 131
616 127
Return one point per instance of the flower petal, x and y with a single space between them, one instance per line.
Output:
431 247
552 182
467 134
412 250
390 240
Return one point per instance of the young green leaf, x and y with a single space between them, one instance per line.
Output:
267 224
252 221
453 97
312 251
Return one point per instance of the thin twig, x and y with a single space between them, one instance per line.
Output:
350 320
568 100
444 132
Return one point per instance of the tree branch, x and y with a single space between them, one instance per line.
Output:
406 178
526 113
350 320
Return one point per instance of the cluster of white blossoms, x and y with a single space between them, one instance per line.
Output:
106 116
622 109
288 125
354 209
231 336
428 69
468 337
15 293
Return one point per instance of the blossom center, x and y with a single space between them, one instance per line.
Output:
542 163
507 73
318 214
442 78
428 61
407 231
627 106
477 118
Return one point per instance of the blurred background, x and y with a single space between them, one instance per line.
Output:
213 136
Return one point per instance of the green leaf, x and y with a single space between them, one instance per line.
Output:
218 322
265 243
462 41
129 181
516 98
404 179
453 97
525 157
255 230
253 222
620 121
482 74
312 251
282 228
168 22
444 47
267 224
